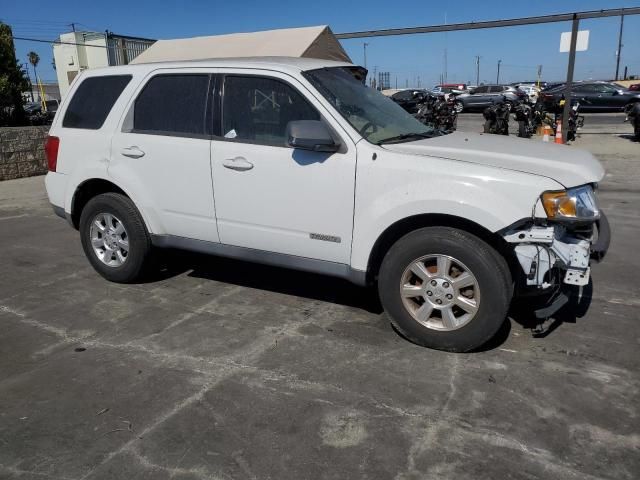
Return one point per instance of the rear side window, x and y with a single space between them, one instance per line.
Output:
173 104
93 101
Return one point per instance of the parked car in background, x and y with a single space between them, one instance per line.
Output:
37 115
295 162
531 90
410 99
635 87
593 96
486 95
552 85
447 89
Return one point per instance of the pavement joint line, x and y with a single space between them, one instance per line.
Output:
197 311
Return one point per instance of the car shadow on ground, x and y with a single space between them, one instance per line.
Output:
269 278
341 292
523 310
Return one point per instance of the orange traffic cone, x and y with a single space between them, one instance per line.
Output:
559 132
546 134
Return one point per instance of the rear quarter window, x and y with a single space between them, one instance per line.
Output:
93 100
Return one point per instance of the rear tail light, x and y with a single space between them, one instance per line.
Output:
51 152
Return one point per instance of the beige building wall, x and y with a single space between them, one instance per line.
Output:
89 52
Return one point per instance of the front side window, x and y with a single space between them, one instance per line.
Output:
93 100
377 118
481 90
173 105
258 109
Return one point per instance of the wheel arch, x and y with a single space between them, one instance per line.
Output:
87 190
406 225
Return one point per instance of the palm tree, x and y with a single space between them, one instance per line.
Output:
34 59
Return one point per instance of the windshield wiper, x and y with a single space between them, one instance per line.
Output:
406 136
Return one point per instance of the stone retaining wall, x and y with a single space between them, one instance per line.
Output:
22 152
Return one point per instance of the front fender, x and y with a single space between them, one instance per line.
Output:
396 187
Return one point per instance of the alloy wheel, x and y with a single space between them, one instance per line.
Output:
440 292
109 239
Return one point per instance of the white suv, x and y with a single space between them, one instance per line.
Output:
295 162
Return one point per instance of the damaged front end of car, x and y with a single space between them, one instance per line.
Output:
554 253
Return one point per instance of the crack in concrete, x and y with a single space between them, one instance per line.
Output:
425 441
18 472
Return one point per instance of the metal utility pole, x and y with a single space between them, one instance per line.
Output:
365 54
498 74
477 70
539 74
567 88
619 51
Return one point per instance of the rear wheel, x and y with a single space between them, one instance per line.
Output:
487 126
114 238
444 288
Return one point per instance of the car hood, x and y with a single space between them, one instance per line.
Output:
565 164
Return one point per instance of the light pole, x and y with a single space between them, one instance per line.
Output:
498 74
477 70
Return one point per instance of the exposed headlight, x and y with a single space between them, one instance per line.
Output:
577 203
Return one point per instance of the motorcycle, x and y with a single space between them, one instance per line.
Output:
497 118
575 122
632 112
438 112
523 114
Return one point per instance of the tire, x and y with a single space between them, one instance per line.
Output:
487 126
522 130
466 252
459 107
121 268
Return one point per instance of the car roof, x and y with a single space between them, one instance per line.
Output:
283 64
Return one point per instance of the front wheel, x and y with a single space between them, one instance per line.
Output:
459 107
444 288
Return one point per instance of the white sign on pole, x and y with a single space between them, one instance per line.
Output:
582 43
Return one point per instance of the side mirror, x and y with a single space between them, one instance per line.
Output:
311 135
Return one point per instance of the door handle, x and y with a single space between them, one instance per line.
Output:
132 152
239 164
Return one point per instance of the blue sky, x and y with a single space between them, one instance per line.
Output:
407 58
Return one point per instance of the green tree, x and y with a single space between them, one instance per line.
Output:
12 81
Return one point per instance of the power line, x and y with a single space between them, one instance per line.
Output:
58 42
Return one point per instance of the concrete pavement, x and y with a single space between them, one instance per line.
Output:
222 369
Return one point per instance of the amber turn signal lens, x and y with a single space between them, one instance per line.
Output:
559 204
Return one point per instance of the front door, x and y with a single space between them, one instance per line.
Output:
268 195
162 153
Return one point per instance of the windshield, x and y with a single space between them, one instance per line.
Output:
377 118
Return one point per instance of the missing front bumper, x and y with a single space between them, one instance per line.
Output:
544 250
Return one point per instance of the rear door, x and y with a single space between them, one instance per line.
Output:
162 152
272 197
